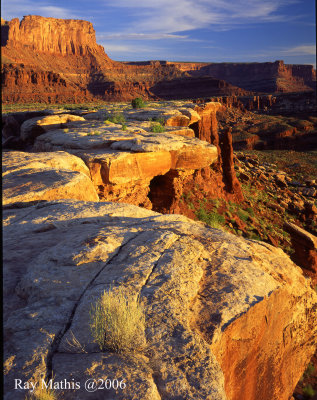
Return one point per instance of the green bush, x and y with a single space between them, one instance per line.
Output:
117 118
117 323
243 215
213 219
157 128
308 391
138 103
160 120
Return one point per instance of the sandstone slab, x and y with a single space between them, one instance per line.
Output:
45 176
226 318
34 127
122 163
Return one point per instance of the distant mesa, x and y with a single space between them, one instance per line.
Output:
58 60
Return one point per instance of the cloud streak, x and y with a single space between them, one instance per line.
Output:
301 50
185 15
33 7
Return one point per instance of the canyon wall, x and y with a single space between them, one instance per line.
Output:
263 77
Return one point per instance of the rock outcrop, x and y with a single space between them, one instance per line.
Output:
45 176
226 318
304 245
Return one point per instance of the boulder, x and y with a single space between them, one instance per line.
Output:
225 318
305 246
36 126
45 176
10 127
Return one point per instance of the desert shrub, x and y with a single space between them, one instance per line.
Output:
239 136
124 127
250 211
308 391
243 215
117 323
309 370
160 120
157 128
117 118
213 219
42 393
138 103
93 133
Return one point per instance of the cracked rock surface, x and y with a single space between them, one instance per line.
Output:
225 318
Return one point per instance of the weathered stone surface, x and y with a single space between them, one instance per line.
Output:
45 176
34 127
213 302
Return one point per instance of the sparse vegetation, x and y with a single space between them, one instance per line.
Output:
309 391
138 102
157 128
117 322
42 393
117 118
160 120
93 133
213 219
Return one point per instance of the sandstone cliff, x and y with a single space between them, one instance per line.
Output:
51 35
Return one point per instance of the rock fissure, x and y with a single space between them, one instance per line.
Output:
154 267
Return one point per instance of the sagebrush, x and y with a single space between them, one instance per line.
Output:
118 323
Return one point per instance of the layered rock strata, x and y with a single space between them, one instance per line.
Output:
225 318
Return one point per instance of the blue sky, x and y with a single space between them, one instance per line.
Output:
190 30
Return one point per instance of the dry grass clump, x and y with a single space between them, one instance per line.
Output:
117 323
42 393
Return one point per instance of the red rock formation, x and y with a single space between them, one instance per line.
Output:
207 129
305 246
51 35
232 182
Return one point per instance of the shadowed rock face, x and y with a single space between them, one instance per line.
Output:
226 318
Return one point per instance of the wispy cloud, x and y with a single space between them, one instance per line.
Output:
141 36
184 15
301 50
33 7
